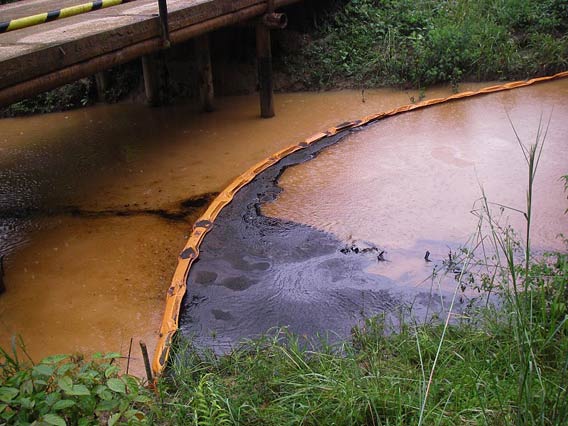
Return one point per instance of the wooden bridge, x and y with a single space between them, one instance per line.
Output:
42 57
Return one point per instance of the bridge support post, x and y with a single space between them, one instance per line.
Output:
102 80
151 73
205 73
264 62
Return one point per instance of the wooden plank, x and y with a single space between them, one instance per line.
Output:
102 80
264 63
59 44
49 55
152 79
204 72
24 80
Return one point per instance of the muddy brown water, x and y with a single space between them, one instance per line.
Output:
280 254
410 183
95 205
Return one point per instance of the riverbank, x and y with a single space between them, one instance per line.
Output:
355 44
405 43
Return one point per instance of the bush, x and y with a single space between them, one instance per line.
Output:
419 43
67 390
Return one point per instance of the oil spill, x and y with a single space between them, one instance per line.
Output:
256 272
345 236
185 209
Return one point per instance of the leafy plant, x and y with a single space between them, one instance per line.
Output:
419 43
67 390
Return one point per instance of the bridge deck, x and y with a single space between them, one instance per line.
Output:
44 49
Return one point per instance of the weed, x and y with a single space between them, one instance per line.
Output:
421 43
66 389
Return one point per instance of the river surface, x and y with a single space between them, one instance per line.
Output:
95 205
319 244
412 183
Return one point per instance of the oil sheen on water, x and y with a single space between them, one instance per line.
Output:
308 257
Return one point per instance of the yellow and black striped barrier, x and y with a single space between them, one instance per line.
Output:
28 21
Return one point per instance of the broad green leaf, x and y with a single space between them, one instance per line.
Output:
112 355
113 419
7 414
99 389
63 404
84 422
123 405
54 359
106 395
42 407
143 399
65 368
40 396
26 403
79 390
43 370
54 419
107 405
27 387
8 394
134 414
66 384
116 385
52 398
111 371
3 407
87 404
88 375
131 382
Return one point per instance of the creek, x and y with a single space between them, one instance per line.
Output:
95 205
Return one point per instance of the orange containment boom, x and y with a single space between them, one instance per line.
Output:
190 252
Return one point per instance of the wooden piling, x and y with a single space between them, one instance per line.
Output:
264 62
204 72
146 359
164 27
102 80
151 79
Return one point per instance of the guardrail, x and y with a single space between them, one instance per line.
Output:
66 12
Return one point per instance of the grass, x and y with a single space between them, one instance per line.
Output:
369 43
474 372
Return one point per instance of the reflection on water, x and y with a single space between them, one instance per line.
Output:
91 282
409 183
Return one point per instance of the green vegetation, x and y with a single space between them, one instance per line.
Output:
480 376
423 42
67 390
74 95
